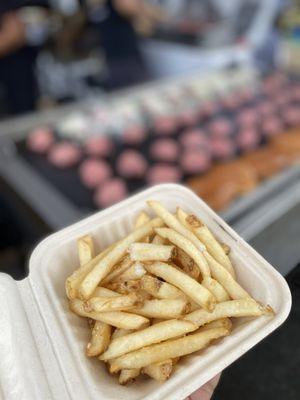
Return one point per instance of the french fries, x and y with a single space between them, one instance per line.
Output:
105 265
216 289
226 248
218 323
158 240
128 375
160 371
160 289
100 338
224 277
228 309
119 319
172 222
116 303
164 291
153 334
121 332
73 281
85 246
170 349
189 286
187 246
141 220
125 287
136 271
212 245
151 252
164 309
104 292
123 266
187 264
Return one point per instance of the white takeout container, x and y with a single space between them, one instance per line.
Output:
42 343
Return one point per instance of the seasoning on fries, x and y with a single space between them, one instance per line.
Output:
164 291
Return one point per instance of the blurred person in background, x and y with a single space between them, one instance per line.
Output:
19 43
119 23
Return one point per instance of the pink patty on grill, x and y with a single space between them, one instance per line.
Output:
164 150
131 164
195 161
40 140
165 125
134 135
101 146
272 126
94 172
247 117
291 115
220 127
248 139
65 155
193 138
110 192
222 148
161 173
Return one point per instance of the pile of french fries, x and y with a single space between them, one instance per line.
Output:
166 290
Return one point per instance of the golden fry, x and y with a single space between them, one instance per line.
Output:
172 222
160 289
121 332
224 277
187 264
153 334
158 240
159 371
119 319
105 265
228 309
187 246
73 281
141 219
101 304
226 248
164 309
170 349
136 271
85 246
218 323
189 286
100 338
128 375
125 287
212 245
123 266
216 289
151 252
104 292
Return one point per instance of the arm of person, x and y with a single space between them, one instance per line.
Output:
12 34
206 391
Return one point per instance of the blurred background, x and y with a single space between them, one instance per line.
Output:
101 98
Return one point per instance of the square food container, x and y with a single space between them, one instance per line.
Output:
42 343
